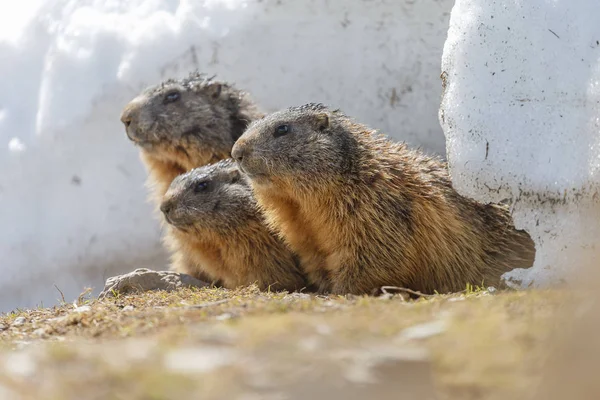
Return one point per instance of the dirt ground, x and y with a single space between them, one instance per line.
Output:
245 344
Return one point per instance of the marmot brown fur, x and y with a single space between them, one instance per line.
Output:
219 231
362 211
183 124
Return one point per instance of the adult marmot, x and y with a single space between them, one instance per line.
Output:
362 211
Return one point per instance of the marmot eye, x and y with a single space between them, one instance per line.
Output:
201 186
282 130
172 97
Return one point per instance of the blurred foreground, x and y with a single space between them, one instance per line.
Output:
220 344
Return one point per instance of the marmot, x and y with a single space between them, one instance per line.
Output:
362 211
183 124
218 230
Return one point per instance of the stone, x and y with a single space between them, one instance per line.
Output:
143 279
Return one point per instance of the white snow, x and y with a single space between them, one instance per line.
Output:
521 115
73 206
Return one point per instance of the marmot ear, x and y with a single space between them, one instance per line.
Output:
214 90
322 120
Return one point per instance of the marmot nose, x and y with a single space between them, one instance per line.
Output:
166 207
126 121
129 114
238 152
126 118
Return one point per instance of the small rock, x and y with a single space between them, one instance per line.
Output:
3 327
424 331
297 295
491 290
128 308
58 319
19 321
143 279
83 309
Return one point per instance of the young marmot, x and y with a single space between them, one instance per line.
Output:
183 124
364 212
218 230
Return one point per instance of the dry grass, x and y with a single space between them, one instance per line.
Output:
215 343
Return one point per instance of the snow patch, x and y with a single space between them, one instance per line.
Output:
15 17
521 115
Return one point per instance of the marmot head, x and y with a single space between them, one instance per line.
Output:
192 119
213 197
300 143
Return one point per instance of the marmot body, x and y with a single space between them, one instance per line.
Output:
363 212
219 231
183 124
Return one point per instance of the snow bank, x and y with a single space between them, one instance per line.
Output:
73 202
521 114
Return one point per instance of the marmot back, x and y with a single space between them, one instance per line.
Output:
362 211
183 124
217 229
